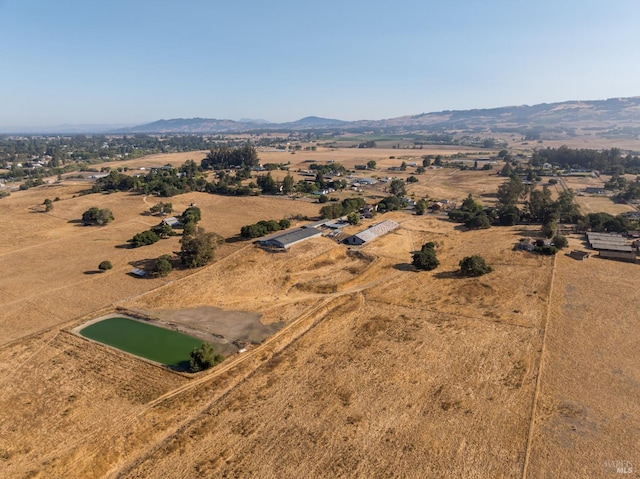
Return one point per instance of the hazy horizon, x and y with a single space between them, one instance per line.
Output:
130 63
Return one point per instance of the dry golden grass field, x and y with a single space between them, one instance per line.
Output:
371 370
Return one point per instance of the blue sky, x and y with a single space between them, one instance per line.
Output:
134 61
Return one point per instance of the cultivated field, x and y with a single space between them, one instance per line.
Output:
360 367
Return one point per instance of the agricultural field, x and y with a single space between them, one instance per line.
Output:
355 365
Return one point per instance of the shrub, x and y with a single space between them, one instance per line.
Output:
105 266
204 357
474 266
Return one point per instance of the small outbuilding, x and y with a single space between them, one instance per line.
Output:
579 255
288 238
372 233
140 273
171 221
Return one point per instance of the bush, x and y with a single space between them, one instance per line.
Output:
105 266
204 357
474 266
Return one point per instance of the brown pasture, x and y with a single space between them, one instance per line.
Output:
375 370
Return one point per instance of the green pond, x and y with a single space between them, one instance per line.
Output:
145 340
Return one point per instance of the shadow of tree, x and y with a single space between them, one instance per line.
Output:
405 267
448 275
235 239
94 271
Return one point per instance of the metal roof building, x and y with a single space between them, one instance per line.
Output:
289 238
372 232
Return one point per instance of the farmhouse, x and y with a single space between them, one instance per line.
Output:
286 239
372 232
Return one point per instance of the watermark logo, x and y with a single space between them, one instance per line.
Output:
618 467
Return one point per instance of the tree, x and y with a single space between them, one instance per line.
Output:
470 205
161 208
105 266
510 191
540 205
353 218
478 222
421 206
288 184
426 259
163 265
474 266
371 164
197 249
145 238
267 184
390 203
191 215
204 357
420 170
163 230
48 205
96 216
550 228
560 241
397 188
509 216
412 179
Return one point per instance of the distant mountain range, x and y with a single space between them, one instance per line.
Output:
561 119
615 117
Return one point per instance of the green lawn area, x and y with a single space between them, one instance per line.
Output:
145 340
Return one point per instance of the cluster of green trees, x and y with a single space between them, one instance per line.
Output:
97 216
626 190
151 236
391 203
472 214
197 245
346 206
223 157
605 222
78 152
161 208
264 227
610 161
